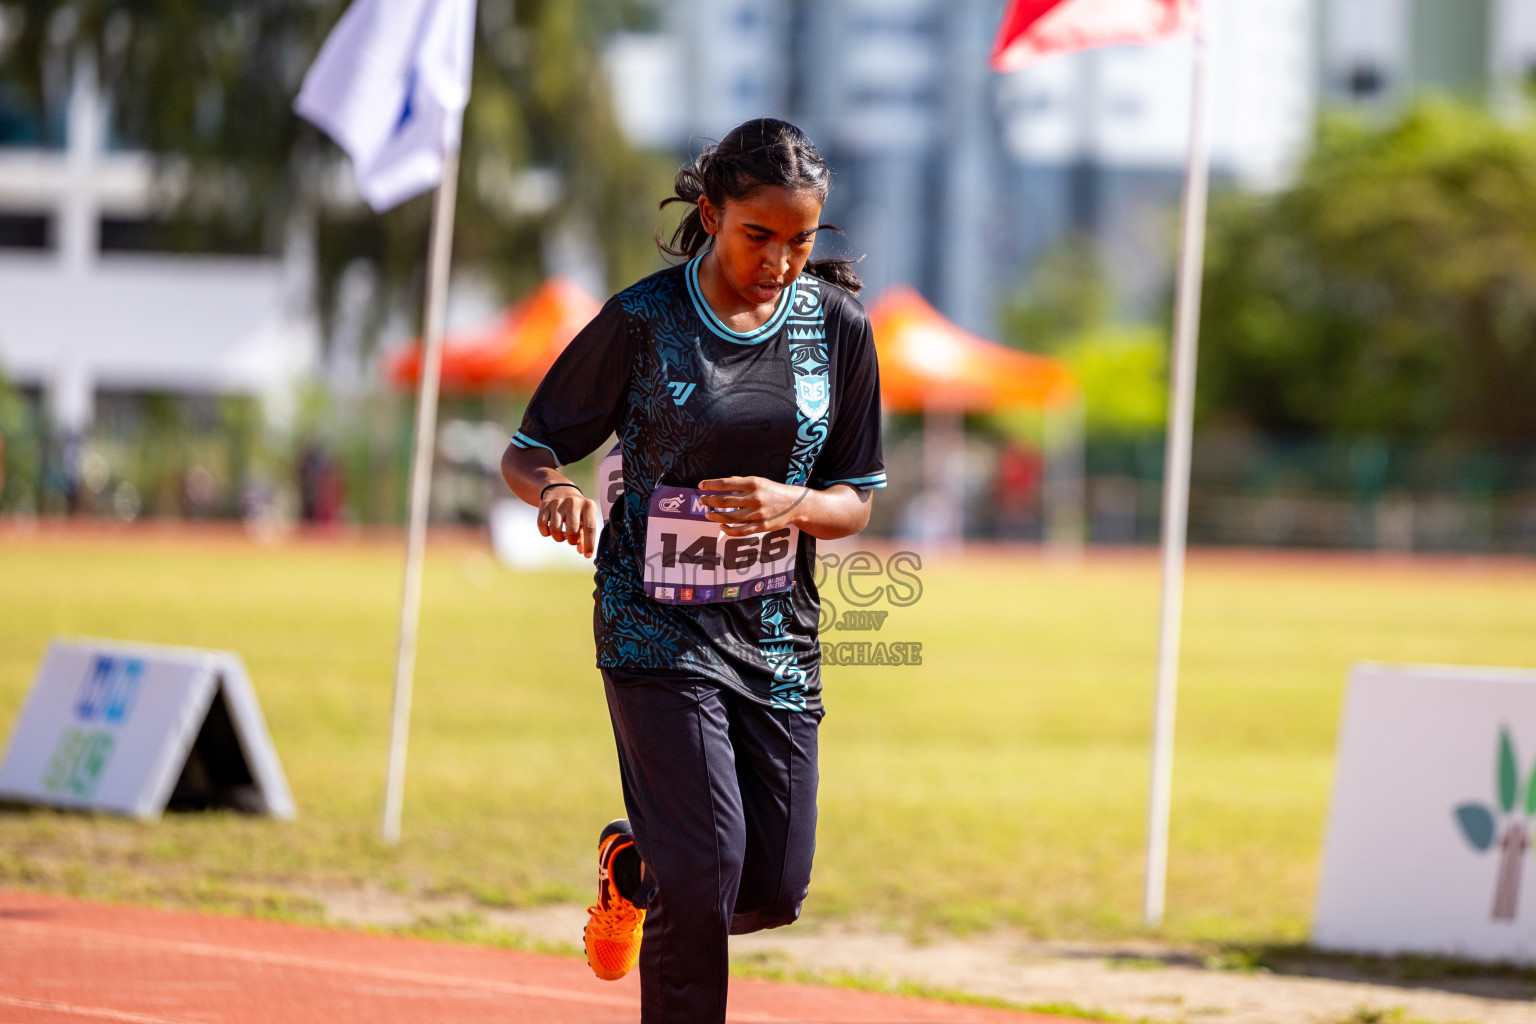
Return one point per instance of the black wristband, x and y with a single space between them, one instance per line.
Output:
562 483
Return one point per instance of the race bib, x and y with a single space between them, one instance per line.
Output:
610 482
689 561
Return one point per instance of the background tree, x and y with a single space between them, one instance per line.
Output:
1391 290
208 85
1066 294
1066 309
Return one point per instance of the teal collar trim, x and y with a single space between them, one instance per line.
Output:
715 324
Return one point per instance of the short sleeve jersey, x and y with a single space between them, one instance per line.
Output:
796 400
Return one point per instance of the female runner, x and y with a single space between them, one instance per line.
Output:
746 400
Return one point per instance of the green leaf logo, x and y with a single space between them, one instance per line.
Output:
1509 774
1530 795
1476 824
1487 827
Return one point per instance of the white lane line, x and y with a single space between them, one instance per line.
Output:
88 1011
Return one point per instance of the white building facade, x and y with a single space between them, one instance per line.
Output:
78 319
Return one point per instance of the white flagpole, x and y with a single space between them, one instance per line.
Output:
1176 475
439 253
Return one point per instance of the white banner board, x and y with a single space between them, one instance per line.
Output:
514 526
1429 846
119 727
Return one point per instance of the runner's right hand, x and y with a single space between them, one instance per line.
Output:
570 517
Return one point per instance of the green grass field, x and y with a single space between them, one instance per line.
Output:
1000 783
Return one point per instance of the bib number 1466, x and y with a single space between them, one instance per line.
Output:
737 553
688 560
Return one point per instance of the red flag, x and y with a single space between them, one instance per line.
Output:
1033 29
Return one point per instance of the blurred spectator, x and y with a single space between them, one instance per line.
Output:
320 485
199 492
64 474
1015 489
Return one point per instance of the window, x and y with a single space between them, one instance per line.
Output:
24 230
1365 81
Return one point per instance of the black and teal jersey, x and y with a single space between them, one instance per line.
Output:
797 400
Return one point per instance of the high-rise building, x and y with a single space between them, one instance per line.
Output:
956 179
1098 140
1377 53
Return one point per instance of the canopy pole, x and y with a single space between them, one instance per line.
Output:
943 501
439 254
1176 463
1064 492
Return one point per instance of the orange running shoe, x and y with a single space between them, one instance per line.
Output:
614 924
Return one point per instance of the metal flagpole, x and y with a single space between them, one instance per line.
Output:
439 253
1176 476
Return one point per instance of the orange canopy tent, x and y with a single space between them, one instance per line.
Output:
930 364
514 353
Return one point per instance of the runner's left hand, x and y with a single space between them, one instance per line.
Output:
751 504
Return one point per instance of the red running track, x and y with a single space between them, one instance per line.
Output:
68 961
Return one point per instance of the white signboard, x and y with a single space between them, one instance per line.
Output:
126 728
1429 846
518 544
514 526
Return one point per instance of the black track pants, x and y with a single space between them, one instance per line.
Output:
721 792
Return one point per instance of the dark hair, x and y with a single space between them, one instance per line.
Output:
754 155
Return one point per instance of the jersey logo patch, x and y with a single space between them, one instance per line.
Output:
811 395
680 390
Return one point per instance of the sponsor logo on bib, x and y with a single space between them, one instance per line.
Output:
671 504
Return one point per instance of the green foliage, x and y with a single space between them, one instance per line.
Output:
20 464
1380 1015
1375 1015
1074 1011
1123 373
1530 794
1067 295
1509 775
1065 310
1476 824
1391 289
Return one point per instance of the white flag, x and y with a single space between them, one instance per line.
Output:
390 86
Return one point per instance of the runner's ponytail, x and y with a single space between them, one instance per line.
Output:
754 155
